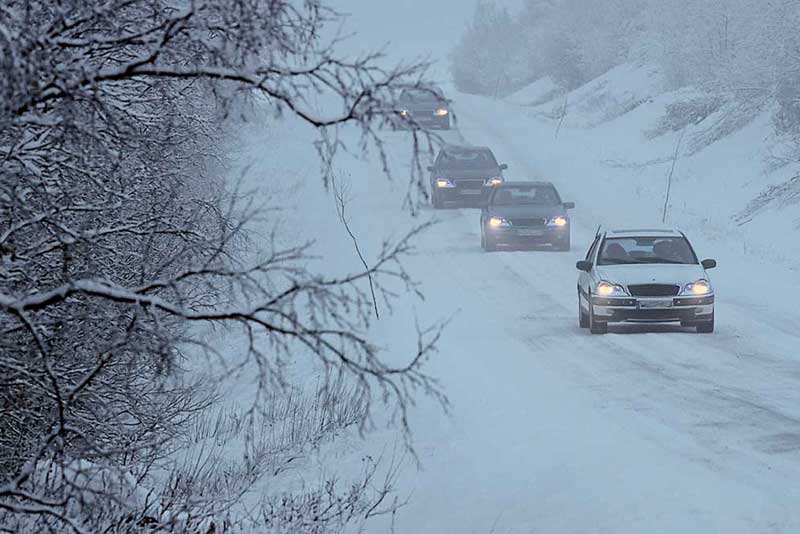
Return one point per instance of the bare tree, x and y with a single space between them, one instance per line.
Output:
118 238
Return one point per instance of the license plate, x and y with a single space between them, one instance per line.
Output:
659 303
471 192
525 232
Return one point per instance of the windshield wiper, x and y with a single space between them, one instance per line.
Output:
609 261
660 260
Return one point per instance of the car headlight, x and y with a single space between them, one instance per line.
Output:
558 221
491 182
444 183
499 222
404 113
441 112
699 288
607 289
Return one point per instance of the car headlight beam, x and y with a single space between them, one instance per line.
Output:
493 182
559 221
441 112
697 288
444 183
498 222
608 289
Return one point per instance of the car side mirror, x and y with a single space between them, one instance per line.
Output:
430 168
503 166
585 266
569 205
708 264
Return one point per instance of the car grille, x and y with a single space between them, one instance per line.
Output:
655 315
537 221
654 290
469 184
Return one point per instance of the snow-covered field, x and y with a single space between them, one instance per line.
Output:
648 429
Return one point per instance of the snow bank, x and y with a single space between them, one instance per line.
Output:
620 135
539 92
613 94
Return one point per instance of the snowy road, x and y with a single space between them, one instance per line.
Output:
648 429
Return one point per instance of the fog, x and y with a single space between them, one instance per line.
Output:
250 284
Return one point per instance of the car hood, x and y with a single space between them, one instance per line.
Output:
474 174
651 274
530 210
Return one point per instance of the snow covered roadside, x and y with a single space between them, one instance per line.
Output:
552 430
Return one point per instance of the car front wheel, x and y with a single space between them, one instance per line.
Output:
595 326
706 327
583 318
489 244
437 199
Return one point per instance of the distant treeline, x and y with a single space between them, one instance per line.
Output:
742 50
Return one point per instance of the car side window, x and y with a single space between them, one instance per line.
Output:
555 195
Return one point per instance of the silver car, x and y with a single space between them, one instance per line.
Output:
650 276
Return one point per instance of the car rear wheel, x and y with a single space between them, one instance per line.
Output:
595 326
706 327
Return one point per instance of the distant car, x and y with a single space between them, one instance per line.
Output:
650 276
525 213
464 175
427 107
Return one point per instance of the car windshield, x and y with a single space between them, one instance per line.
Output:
544 195
421 95
468 159
635 250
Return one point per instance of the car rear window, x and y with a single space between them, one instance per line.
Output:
634 250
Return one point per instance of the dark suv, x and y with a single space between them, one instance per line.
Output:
464 175
426 107
525 213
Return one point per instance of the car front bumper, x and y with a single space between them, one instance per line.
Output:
534 235
428 121
654 310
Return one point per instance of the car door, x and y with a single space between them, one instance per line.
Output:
584 278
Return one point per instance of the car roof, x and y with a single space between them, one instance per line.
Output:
426 89
646 232
516 183
455 149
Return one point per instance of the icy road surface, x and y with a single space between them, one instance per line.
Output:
647 429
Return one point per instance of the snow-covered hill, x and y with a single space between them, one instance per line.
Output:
726 159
